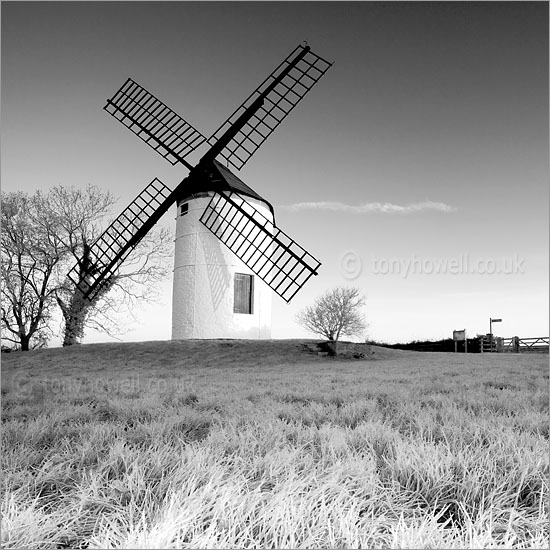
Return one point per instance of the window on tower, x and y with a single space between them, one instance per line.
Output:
244 293
184 208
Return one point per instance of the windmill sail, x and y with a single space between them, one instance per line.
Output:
281 90
264 248
283 264
155 123
107 253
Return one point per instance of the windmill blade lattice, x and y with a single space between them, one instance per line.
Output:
154 122
278 103
277 259
117 241
264 248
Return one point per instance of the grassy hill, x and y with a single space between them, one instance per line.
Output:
179 354
228 443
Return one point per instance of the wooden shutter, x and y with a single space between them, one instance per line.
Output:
244 298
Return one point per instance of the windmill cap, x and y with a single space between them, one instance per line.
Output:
223 180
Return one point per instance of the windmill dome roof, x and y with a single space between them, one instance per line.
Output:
222 180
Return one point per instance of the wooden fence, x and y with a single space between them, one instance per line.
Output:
520 345
488 344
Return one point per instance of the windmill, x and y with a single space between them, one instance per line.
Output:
228 250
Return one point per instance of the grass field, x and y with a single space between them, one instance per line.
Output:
266 444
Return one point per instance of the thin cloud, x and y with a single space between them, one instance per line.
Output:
372 207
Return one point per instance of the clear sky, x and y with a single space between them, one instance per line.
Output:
425 143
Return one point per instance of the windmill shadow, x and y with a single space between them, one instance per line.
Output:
219 278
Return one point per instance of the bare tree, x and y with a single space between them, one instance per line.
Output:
73 219
30 254
83 216
336 313
120 294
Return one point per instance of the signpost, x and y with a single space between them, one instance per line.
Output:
460 336
489 338
491 321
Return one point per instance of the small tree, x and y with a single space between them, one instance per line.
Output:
336 313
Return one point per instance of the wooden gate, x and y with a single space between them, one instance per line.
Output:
530 345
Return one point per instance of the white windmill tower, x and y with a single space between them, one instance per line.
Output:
216 295
229 253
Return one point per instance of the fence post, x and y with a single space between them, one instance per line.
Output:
515 346
481 344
